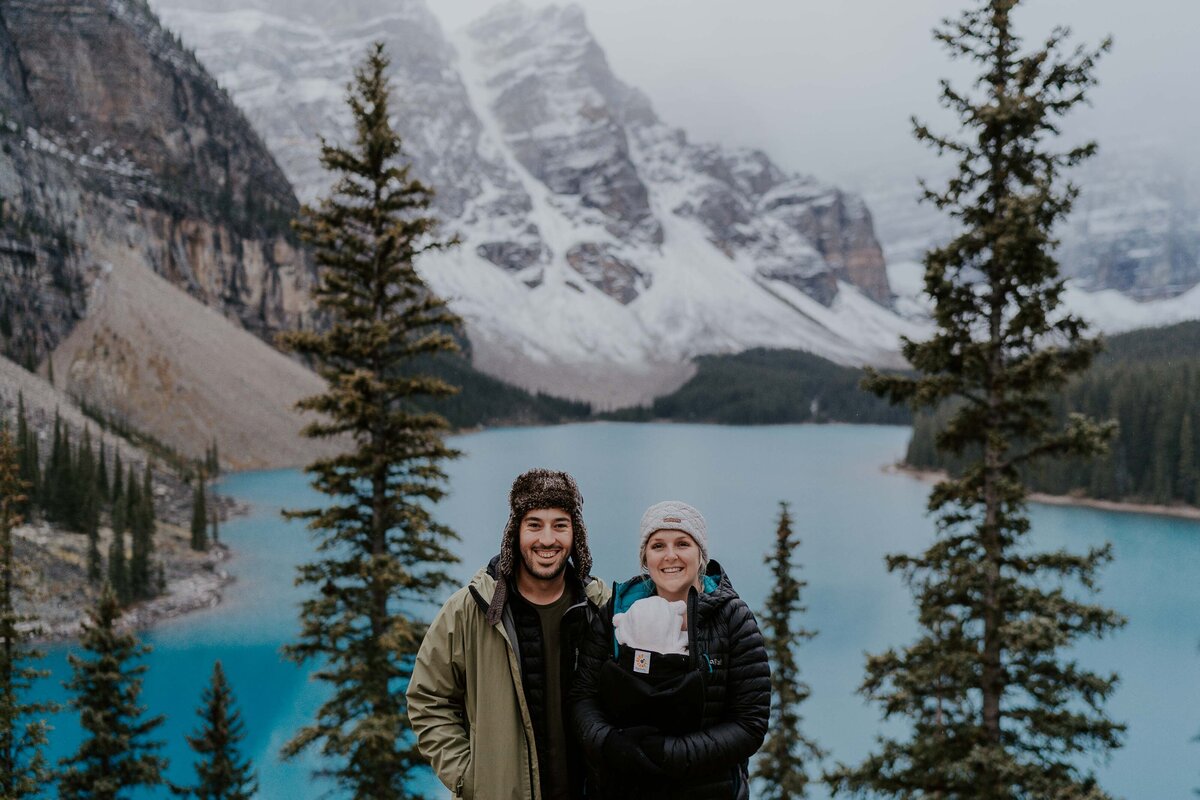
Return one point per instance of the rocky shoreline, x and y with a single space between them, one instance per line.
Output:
1176 511
58 595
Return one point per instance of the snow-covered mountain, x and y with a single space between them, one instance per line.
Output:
1134 230
602 249
1130 248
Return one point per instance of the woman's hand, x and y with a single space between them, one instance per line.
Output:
624 748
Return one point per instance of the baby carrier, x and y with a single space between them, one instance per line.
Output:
643 687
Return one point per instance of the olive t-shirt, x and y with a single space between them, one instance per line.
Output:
555 780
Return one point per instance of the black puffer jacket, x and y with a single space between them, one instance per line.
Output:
706 764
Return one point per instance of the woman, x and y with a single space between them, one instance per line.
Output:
673 692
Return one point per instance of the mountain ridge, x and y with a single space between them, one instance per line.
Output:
602 249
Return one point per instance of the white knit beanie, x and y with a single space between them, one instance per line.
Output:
675 515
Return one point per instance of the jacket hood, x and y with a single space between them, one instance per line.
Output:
716 590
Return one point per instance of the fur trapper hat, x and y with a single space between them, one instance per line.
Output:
539 488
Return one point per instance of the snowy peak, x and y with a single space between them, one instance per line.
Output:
601 248
556 41
562 112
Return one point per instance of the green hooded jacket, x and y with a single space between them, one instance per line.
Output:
466 702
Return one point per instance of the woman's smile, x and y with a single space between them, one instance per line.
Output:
672 560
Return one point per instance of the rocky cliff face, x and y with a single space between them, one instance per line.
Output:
114 137
597 239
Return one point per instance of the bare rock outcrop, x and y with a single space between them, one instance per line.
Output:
122 159
113 135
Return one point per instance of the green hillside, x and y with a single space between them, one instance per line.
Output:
484 400
764 387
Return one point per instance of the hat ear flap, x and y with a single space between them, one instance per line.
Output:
581 554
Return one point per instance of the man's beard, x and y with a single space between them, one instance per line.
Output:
543 573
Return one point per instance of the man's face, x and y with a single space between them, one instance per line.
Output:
545 539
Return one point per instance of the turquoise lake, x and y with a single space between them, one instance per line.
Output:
849 512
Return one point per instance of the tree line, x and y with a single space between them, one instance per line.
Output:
769 387
1148 383
77 486
118 752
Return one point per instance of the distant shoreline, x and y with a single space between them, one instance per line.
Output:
1123 507
195 581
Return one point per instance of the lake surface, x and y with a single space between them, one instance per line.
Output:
848 513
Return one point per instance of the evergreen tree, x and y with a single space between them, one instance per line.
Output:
781 763
199 517
55 478
148 491
117 490
85 500
117 754
27 459
102 474
212 461
221 771
23 768
89 509
141 528
381 552
1186 473
994 711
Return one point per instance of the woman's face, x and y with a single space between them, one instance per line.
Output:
673 561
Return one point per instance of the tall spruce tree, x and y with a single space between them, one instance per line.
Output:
222 773
212 461
27 457
381 552
102 474
199 516
117 754
117 488
83 483
995 711
24 771
55 478
141 530
783 762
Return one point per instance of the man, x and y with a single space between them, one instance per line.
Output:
486 698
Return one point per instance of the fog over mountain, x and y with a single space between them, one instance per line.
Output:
605 245
831 86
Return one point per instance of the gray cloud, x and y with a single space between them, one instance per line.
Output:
828 87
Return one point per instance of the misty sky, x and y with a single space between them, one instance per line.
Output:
828 87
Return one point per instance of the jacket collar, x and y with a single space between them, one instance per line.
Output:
715 590
483 585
